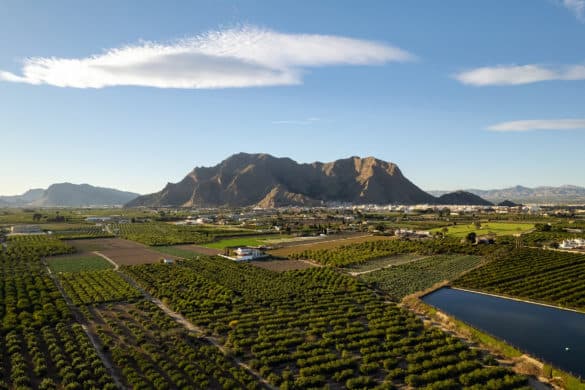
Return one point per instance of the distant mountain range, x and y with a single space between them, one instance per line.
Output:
519 194
68 195
266 181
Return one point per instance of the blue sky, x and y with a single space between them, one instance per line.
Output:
132 94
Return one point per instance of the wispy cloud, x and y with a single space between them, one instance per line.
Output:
539 124
302 122
241 57
519 74
577 7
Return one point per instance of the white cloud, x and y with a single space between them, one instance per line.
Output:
539 124
240 57
577 7
517 75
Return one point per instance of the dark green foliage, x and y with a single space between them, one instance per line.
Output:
308 328
536 274
361 252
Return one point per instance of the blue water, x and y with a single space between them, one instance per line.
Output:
543 332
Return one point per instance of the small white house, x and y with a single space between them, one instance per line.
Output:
168 261
244 253
577 243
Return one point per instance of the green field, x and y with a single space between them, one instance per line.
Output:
402 280
78 264
496 228
239 241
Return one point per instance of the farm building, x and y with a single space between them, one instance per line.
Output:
26 229
244 254
248 254
577 243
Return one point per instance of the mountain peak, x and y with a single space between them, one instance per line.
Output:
246 179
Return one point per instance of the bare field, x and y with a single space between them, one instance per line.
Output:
122 252
200 250
283 265
325 244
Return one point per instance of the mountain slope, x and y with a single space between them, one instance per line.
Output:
521 194
261 179
463 198
69 195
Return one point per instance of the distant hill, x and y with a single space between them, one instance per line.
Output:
508 203
68 195
520 194
462 198
267 181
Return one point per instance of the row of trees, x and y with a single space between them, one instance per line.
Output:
41 345
307 328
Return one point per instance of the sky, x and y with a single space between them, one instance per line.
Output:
135 94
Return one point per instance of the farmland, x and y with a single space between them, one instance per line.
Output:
152 351
380 263
287 323
324 244
161 233
363 252
405 279
489 228
75 263
239 241
77 231
97 287
533 274
41 345
316 327
282 265
122 252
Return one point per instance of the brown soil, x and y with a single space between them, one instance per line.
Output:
200 250
122 252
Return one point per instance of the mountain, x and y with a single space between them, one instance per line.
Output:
68 195
508 203
520 194
266 181
462 198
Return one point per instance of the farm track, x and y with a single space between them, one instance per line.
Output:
387 266
116 266
81 320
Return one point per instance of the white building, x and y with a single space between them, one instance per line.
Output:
244 254
576 243
26 229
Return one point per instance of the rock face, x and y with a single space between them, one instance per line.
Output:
69 195
266 181
462 198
